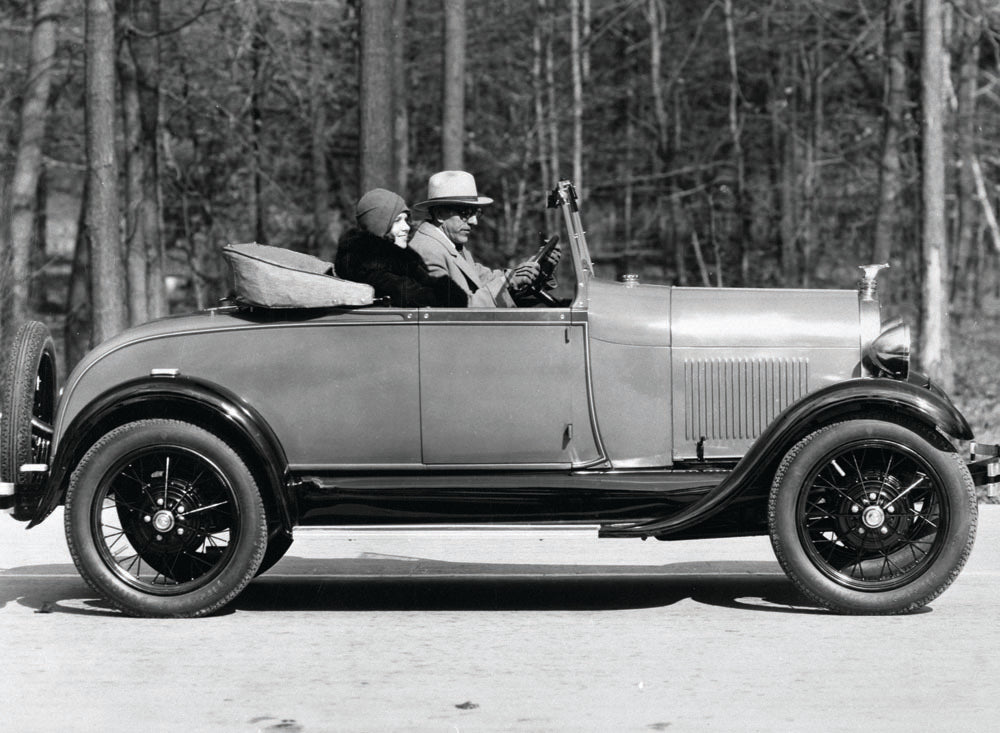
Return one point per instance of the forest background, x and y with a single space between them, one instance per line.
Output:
719 143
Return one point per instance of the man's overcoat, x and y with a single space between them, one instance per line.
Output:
485 287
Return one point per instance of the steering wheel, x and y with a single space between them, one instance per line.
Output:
536 288
547 246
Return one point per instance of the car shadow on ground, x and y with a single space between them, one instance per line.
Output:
377 583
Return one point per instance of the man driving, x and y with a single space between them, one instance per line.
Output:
453 205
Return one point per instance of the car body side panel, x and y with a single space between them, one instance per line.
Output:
741 356
727 397
765 318
633 316
335 391
632 401
630 365
504 387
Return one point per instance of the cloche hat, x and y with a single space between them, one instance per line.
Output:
378 209
452 187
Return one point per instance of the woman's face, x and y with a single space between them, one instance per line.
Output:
399 229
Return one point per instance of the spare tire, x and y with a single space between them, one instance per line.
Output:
28 408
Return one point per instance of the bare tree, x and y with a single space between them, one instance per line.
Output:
317 135
736 138
135 242
258 51
538 96
887 219
550 94
576 64
935 351
965 280
400 95
453 109
101 227
77 325
144 45
376 96
785 120
28 158
655 17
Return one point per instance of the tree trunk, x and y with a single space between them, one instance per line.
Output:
627 173
38 253
887 216
935 351
735 135
400 95
257 51
550 94
376 97
654 14
107 278
810 222
145 48
322 243
79 321
28 157
135 243
679 222
576 64
965 263
788 161
453 109
538 88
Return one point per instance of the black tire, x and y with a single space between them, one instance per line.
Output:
164 519
872 517
277 545
29 405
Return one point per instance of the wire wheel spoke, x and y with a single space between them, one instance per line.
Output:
870 515
165 520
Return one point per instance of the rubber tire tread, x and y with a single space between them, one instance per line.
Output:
277 546
30 344
969 490
201 601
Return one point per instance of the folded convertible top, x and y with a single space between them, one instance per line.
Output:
274 277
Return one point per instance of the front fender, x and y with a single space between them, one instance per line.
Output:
854 398
184 398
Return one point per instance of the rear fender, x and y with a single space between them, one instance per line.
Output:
183 398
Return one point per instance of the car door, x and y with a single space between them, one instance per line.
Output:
504 387
342 391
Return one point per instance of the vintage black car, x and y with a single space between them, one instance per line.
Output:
186 451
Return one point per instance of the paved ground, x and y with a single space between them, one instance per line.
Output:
472 630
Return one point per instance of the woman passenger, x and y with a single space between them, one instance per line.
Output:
377 252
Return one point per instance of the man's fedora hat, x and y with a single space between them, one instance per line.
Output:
452 187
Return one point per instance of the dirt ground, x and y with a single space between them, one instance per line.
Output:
483 630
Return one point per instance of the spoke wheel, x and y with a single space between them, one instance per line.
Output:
165 519
872 517
28 407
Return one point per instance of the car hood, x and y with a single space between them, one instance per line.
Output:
655 315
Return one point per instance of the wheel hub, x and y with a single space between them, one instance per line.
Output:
163 520
873 517
868 512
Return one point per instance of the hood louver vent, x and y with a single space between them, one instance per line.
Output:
735 399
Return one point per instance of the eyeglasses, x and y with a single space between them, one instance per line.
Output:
465 213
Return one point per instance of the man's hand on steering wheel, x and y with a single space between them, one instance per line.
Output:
544 261
524 276
549 254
